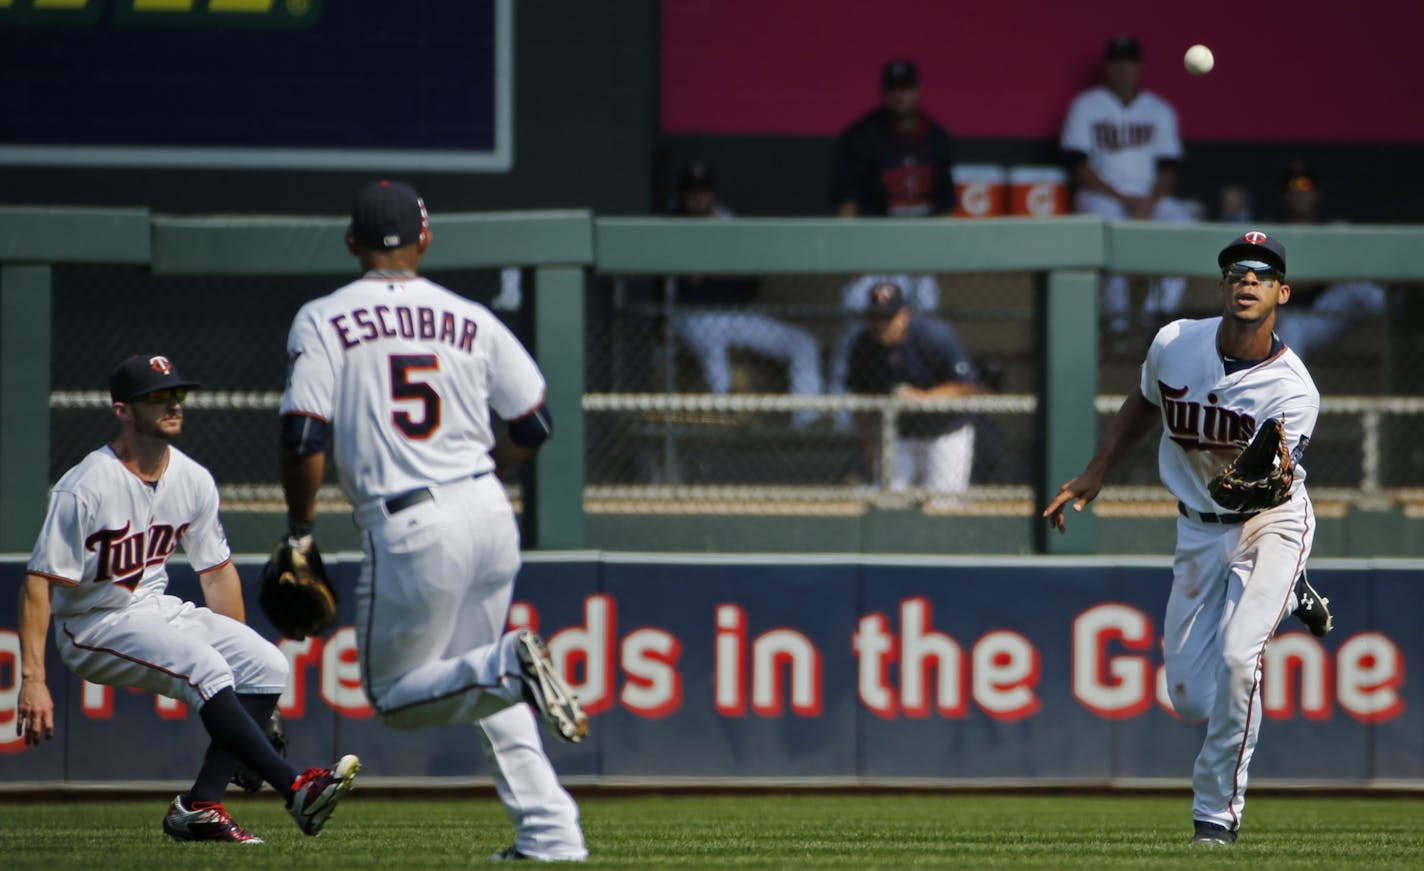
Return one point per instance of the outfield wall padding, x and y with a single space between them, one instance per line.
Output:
810 669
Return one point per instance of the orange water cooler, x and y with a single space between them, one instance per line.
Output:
1038 191
980 190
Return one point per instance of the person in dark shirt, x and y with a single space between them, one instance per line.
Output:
713 314
913 357
895 160
1320 312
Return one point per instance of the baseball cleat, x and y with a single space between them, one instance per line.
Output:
316 791
508 854
546 691
1212 834
204 821
1313 609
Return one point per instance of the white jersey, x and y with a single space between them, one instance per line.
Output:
1207 414
1123 142
108 534
406 372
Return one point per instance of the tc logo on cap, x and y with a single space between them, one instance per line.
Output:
1255 237
160 365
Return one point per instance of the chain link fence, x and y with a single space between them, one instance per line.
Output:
228 333
727 419
692 404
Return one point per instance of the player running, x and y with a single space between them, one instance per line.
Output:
99 569
406 373
1210 383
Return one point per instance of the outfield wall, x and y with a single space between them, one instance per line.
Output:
822 670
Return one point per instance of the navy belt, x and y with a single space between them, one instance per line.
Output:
397 504
1208 517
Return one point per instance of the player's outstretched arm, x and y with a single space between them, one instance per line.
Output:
1134 418
34 718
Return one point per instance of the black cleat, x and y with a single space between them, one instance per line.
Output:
545 690
1313 609
1212 834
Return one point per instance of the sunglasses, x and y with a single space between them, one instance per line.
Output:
1237 271
163 397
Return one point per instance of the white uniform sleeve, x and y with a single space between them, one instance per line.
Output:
1077 127
1148 382
205 542
311 380
1167 145
59 551
516 384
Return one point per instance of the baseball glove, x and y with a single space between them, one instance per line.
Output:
294 591
276 731
1261 475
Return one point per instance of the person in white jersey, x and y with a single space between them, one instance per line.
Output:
99 571
1123 150
399 375
1210 383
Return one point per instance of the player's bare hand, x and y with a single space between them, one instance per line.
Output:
1080 491
34 716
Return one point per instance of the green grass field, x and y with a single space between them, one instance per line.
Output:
743 831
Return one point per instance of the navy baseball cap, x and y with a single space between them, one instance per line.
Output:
387 215
1123 47
885 300
142 374
899 74
697 177
1254 249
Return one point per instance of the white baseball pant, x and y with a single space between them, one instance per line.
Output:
941 464
431 604
1231 587
1164 295
171 647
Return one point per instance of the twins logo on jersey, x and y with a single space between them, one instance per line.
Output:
123 557
1112 137
1197 427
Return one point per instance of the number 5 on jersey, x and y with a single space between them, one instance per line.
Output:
406 385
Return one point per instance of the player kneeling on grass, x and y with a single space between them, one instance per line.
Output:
99 569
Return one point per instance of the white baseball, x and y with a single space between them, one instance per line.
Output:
1199 60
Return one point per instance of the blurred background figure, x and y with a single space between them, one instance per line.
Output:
921 293
894 160
1233 204
914 357
1122 147
710 312
1319 313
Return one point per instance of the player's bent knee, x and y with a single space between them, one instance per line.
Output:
271 669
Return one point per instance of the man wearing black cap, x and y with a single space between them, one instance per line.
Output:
99 570
915 357
401 376
1121 145
1320 313
1212 383
713 314
894 160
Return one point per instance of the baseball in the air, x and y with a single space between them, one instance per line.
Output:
1199 60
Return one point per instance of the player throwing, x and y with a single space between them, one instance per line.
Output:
99 570
400 375
1211 383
